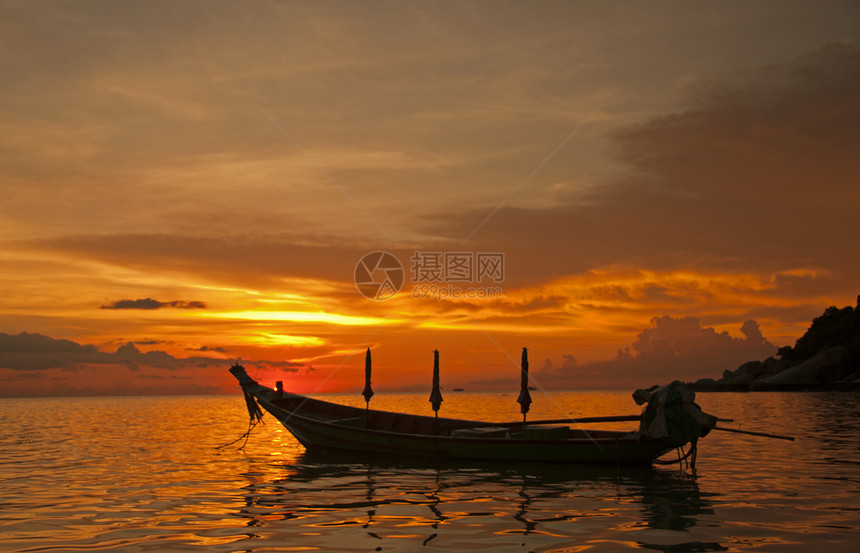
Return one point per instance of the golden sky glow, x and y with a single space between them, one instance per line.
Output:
297 317
185 184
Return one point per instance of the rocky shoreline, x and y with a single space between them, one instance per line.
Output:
826 357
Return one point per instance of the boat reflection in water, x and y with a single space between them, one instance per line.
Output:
464 506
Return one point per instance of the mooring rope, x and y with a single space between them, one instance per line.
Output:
251 425
256 416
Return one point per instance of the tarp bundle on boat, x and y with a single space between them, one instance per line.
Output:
672 413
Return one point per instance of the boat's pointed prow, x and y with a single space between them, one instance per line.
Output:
237 369
239 372
247 383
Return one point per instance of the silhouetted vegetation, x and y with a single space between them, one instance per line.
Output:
836 327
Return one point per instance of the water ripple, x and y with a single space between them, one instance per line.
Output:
142 474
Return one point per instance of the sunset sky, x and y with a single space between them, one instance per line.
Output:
188 183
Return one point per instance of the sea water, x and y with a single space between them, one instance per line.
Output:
147 474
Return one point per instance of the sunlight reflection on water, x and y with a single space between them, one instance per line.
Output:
136 474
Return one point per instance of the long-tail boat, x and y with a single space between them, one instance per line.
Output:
670 421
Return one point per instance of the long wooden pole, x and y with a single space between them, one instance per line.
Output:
616 418
584 420
751 433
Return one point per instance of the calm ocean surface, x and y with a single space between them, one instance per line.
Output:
144 474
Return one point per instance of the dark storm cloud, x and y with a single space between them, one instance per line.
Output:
208 348
35 352
795 123
756 176
149 304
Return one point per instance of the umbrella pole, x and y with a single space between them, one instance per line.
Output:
435 393
524 398
368 391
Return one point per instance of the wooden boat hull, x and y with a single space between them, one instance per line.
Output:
624 449
321 425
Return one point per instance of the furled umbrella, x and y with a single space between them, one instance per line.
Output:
368 391
436 393
525 398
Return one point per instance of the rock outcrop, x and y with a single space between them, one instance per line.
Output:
827 356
